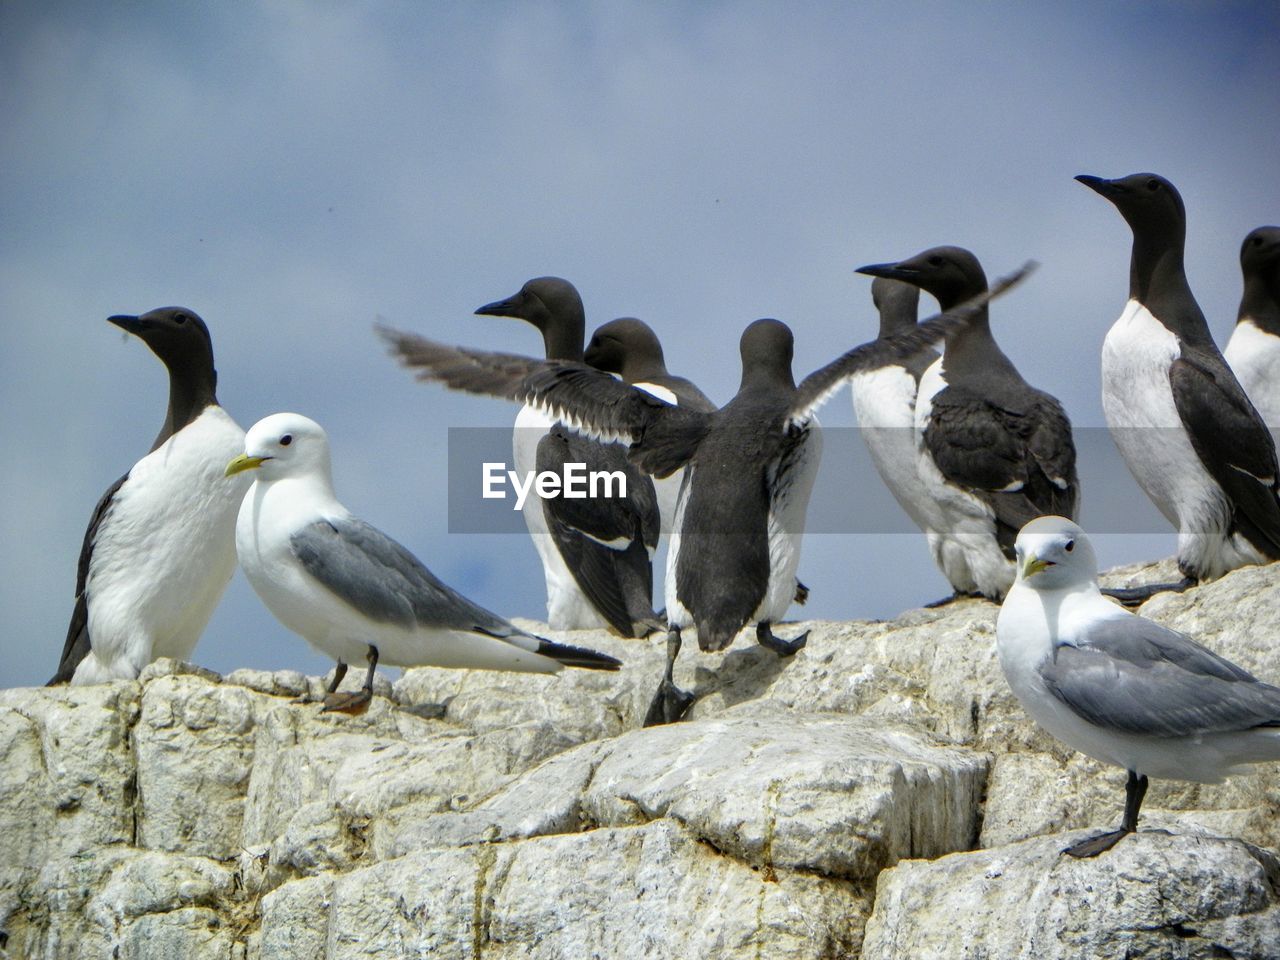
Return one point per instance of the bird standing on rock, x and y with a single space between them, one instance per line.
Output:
1118 687
994 452
350 590
160 546
749 466
596 553
1183 423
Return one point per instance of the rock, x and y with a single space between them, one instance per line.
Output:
467 812
648 891
1151 895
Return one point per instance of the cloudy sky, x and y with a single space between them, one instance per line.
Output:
292 171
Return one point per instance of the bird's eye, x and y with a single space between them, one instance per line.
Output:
935 261
1070 545
286 440
180 318
1256 241
1153 184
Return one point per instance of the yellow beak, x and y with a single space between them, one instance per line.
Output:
242 463
1032 565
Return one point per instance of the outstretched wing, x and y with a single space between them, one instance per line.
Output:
662 437
1232 442
816 388
1132 675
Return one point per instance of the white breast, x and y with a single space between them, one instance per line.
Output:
166 550
884 401
1137 399
1254 356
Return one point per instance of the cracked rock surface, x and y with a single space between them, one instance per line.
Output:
879 794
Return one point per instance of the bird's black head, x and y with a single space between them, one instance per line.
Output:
767 347
1260 251
554 307
1147 201
175 334
623 344
951 274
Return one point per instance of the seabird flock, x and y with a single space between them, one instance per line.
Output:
980 460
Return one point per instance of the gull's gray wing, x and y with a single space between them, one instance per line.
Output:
1131 675
382 580
662 437
815 389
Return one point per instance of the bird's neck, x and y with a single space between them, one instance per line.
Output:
191 391
562 339
972 357
1261 301
1158 281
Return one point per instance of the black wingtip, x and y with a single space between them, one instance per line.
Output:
577 656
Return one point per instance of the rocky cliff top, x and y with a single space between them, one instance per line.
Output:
881 794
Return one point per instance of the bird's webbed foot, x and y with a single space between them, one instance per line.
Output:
783 648
1092 846
1137 596
353 702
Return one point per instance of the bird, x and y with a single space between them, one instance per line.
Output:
750 466
160 546
1182 422
1253 352
351 591
993 451
884 403
1118 687
629 348
596 553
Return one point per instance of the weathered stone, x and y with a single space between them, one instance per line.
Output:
651 891
1152 895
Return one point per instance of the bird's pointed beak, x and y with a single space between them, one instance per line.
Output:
510 307
1100 185
242 463
128 324
890 271
1033 565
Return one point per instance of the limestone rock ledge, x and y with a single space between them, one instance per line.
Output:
474 814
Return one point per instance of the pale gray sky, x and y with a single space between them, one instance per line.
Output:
293 170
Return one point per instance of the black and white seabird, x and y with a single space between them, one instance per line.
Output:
160 547
1183 423
749 466
629 348
597 554
1121 688
884 402
994 452
350 590
1254 348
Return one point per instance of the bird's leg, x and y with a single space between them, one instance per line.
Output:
357 702
1137 596
783 648
1134 790
339 672
670 703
